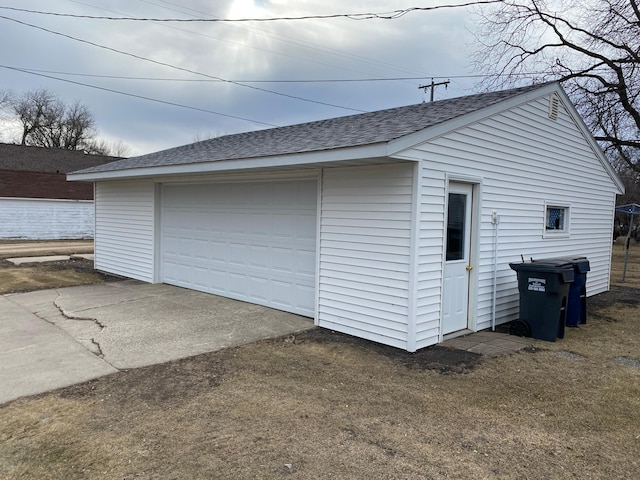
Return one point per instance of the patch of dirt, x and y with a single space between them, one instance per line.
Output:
39 276
189 377
617 295
442 359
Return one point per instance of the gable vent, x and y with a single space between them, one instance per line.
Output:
554 103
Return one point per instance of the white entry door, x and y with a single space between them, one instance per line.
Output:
457 267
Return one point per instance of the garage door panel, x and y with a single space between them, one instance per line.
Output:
218 282
237 254
201 249
218 251
304 225
248 241
306 263
238 285
259 289
283 261
201 278
259 257
306 296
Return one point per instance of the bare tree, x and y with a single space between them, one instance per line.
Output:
47 122
591 46
5 99
210 135
102 147
78 126
631 180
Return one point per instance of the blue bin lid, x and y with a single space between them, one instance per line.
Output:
580 264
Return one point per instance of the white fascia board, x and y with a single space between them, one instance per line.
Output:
376 150
429 133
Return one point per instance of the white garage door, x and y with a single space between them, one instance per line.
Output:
254 242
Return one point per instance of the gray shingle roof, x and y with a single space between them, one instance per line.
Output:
47 160
349 131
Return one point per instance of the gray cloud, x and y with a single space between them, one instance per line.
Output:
420 43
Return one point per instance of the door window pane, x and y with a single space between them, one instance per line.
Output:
455 226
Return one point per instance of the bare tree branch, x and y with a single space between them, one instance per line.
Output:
591 46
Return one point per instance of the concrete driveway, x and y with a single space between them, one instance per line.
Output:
55 338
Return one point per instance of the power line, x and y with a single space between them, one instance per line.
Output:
392 15
308 80
221 38
182 69
142 97
194 80
286 39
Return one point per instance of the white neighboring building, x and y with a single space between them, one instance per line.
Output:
396 226
37 202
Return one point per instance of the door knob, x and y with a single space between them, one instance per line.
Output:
469 268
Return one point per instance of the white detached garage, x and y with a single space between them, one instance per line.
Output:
396 226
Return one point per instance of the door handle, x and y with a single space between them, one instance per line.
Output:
469 268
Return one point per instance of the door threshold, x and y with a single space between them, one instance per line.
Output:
459 333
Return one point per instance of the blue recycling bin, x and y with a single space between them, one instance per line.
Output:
577 298
544 291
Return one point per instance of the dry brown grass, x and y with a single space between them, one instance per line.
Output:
328 406
30 277
632 278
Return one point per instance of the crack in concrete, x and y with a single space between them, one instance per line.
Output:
69 316
93 340
97 345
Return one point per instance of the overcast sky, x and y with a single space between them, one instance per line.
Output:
260 55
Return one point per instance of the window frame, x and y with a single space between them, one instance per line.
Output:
556 233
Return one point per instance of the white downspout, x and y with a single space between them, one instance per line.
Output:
495 220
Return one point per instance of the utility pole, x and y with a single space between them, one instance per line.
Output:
433 86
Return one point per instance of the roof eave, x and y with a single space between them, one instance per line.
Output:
306 159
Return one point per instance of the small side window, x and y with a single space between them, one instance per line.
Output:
556 220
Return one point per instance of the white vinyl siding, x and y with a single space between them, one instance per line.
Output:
430 256
365 247
124 243
45 219
526 161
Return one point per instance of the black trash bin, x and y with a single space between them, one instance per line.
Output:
544 291
577 300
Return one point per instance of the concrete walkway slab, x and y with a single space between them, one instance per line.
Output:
36 356
122 325
48 258
488 343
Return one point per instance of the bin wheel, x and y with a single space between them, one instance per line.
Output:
520 328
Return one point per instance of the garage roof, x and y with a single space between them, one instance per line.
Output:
335 133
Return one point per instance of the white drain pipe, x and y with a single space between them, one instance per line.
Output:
495 220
